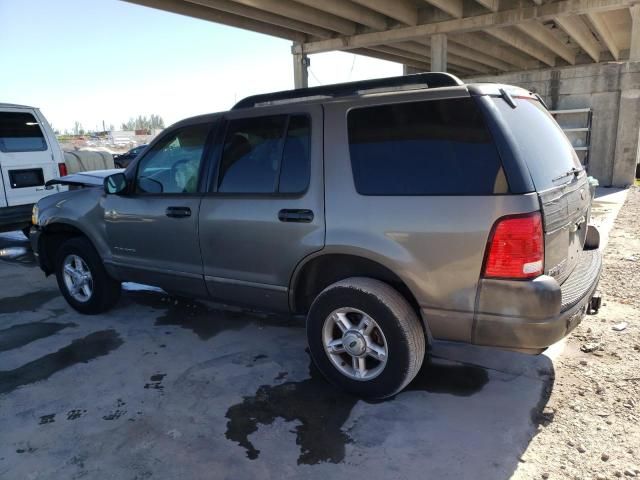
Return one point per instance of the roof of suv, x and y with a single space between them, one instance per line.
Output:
13 105
406 83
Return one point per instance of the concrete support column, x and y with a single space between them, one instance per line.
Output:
634 51
300 70
439 53
409 70
627 140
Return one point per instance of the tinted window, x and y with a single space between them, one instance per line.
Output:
20 132
439 147
294 173
257 157
173 164
541 142
251 155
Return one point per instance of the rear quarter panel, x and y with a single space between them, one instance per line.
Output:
435 244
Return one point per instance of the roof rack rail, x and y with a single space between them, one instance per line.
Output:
405 82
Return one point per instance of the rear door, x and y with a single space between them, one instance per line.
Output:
265 211
559 178
27 160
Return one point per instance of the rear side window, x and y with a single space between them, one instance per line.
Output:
20 132
266 155
540 141
438 147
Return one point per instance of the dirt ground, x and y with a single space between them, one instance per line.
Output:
589 428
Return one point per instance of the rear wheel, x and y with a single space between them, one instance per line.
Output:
365 337
82 278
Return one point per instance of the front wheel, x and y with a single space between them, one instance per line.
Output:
365 337
82 278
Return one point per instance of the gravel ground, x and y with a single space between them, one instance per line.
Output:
589 428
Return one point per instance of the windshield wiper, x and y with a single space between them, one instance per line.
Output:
574 171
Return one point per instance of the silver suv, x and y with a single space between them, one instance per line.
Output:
390 212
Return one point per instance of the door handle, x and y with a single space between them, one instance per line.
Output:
295 215
178 212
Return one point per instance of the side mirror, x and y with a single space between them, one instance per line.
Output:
115 184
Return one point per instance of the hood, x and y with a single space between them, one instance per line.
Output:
94 178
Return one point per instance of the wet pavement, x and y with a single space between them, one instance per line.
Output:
161 387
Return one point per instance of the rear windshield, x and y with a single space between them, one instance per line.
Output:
435 147
540 141
20 132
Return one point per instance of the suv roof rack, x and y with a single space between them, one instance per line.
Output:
405 82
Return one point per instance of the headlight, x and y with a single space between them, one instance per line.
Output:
34 215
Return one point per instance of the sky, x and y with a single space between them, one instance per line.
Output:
109 60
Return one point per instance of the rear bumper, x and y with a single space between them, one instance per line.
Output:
531 315
15 218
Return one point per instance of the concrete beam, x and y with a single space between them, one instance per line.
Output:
422 53
578 30
439 53
476 42
300 70
520 42
203 13
350 11
504 18
606 37
404 11
492 5
452 7
455 48
263 16
302 13
634 49
541 34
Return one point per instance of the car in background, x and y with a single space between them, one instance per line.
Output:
123 161
30 156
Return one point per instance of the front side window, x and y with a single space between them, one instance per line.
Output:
173 164
20 132
437 147
266 155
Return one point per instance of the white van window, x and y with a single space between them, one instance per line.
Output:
20 132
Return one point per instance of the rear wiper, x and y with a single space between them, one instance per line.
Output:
574 171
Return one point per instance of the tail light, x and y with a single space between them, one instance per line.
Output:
516 248
62 168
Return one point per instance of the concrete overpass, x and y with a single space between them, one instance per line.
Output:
578 54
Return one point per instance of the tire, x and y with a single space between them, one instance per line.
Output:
397 331
105 291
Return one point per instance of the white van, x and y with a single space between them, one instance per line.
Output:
29 157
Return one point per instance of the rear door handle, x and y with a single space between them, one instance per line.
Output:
178 212
295 215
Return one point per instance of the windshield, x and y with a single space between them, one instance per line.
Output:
541 142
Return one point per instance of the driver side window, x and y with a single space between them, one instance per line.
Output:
173 164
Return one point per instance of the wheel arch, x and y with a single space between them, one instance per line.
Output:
51 237
321 270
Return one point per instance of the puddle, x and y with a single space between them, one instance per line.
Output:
82 350
322 409
20 335
204 320
28 302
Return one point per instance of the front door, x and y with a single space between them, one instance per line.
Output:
153 229
265 209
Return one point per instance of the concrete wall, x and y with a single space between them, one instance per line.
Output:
612 90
